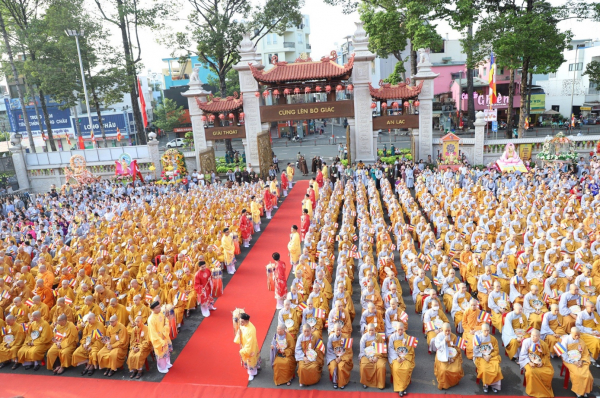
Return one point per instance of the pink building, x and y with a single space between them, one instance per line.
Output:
481 90
443 83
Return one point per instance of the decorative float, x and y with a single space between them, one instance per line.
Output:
174 167
78 172
510 160
558 149
126 168
449 158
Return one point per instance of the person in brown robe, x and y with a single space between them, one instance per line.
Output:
448 368
582 381
538 375
65 342
373 360
116 343
339 357
8 351
282 356
140 347
310 355
38 340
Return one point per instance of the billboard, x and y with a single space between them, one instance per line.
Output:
59 119
537 103
110 123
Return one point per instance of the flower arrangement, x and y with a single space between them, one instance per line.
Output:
558 148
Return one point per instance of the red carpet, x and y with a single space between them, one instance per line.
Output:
211 357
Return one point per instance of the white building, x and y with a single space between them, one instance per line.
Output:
294 42
567 90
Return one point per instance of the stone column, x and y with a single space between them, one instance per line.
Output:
200 143
479 139
154 154
352 147
414 145
364 141
248 87
18 158
425 75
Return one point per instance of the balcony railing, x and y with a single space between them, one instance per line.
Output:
289 44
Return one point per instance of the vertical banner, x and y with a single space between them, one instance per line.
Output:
525 151
11 116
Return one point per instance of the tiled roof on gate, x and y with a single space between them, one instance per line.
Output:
388 91
219 105
300 70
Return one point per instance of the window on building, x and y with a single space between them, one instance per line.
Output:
268 39
300 37
501 71
576 66
270 58
274 38
455 76
484 71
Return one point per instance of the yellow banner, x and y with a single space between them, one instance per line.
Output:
538 103
525 151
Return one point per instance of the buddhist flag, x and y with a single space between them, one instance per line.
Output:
319 313
29 302
142 103
487 284
73 282
404 317
6 294
97 334
347 343
59 335
477 340
381 348
68 301
546 298
320 346
429 326
148 297
549 269
412 341
426 267
461 343
3 331
25 327
456 263
451 253
559 349
302 306
436 281
492 79
68 139
118 134
484 317
8 279
572 120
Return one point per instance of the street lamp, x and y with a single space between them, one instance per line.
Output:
76 34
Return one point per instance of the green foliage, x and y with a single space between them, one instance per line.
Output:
396 76
216 27
593 71
168 115
232 82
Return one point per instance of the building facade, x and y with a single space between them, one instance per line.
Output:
287 47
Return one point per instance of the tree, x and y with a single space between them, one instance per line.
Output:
168 115
15 76
217 27
397 74
593 71
128 16
232 83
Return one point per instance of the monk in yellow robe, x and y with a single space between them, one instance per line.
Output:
115 308
514 330
283 360
38 339
339 357
158 328
471 323
447 368
582 381
139 348
401 356
487 359
294 245
249 350
91 343
538 374
310 354
373 358
228 250
112 356
65 342
8 351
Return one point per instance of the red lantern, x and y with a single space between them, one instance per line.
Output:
307 90
276 93
266 93
203 118
257 94
406 104
339 87
231 116
350 88
394 105
416 103
296 90
384 106
221 116
318 89
212 118
373 105
286 91
241 116
328 89
184 181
